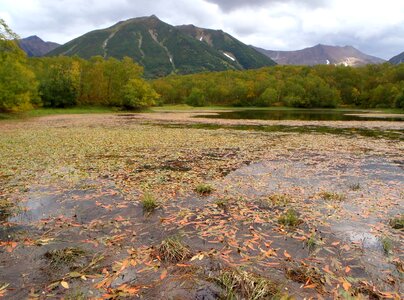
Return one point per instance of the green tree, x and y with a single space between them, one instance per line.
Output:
268 97
196 98
60 87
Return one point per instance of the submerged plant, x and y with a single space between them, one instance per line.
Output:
239 284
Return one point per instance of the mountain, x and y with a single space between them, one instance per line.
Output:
35 46
322 54
398 59
164 49
244 56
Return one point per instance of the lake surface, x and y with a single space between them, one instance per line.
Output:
304 115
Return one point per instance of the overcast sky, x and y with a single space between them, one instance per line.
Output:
374 27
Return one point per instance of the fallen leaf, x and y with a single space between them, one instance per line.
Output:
163 274
64 284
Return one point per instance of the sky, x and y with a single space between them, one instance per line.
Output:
374 27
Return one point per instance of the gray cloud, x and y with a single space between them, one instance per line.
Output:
271 24
229 5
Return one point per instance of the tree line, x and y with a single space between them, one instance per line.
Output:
371 86
26 83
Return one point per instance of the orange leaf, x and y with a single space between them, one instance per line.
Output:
347 269
163 274
287 255
346 285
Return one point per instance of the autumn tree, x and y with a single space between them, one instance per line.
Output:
18 86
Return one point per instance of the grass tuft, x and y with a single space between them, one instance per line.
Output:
64 257
6 209
330 196
204 189
222 203
290 219
149 203
302 273
387 245
397 222
239 284
355 186
312 242
173 250
277 200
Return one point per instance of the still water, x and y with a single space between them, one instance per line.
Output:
299 114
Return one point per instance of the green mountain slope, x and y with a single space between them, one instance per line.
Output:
245 56
163 49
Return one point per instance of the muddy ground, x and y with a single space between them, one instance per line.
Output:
123 206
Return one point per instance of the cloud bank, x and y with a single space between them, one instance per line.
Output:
375 27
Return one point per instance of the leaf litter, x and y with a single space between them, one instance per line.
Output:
72 190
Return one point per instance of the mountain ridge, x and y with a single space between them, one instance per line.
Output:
34 46
322 54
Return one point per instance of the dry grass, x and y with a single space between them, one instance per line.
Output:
239 284
60 258
173 250
331 196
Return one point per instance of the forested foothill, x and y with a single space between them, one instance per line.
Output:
371 86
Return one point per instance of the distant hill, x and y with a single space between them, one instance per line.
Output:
35 46
398 59
164 49
322 54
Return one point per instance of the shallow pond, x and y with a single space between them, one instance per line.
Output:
304 115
